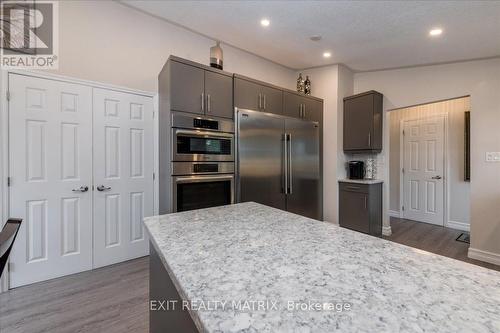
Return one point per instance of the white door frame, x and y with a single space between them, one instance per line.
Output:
4 135
446 188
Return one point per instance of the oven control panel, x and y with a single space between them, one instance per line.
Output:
203 168
206 124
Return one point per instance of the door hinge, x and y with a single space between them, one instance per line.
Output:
10 266
8 95
154 176
8 181
403 132
403 170
403 208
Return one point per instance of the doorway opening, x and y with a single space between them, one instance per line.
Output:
429 175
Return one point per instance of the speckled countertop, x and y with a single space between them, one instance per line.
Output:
250 252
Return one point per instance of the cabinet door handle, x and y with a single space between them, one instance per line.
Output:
209 103
305 111
300 110
353 187
369 139
260 101
366 202
203 102
264 100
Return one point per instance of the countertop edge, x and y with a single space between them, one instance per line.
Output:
361 181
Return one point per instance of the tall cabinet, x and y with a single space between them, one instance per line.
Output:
200 90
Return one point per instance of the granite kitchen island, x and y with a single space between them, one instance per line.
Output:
252 268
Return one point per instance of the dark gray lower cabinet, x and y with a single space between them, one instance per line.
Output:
360 207
166 313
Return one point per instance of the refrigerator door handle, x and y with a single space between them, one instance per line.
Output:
290 172
285 162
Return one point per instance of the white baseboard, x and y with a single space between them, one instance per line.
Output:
458 225
386 230
394 213
492 258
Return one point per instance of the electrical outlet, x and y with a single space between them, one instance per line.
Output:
492 156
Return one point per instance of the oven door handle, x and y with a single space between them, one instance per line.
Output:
201 179
204 133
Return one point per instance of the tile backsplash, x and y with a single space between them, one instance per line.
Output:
379 162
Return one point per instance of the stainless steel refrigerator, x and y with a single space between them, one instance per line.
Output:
278 162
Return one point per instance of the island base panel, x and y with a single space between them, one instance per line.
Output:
161 288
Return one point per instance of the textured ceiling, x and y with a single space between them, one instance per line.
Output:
364 35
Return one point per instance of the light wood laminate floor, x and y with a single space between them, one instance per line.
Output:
114 299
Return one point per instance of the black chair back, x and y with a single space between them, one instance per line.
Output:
7 238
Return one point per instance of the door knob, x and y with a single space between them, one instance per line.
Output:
436 177
101 188
81 189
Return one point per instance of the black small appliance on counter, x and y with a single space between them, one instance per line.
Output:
356 169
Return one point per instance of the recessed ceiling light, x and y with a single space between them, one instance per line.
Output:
327 54
436 32
265 22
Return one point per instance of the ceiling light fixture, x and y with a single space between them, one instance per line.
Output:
436 32
327 55
315 38
265 22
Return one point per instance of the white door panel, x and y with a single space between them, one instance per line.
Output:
423 179
123 167
50 132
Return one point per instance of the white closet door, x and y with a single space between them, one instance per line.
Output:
424 170
123 175
50 137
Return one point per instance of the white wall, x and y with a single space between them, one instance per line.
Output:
480 80
332 84
458 190
109 42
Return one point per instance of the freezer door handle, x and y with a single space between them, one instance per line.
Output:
285 164
290 172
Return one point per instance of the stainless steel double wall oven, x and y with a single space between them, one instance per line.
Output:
202 161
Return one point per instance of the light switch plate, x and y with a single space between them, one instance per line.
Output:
492 156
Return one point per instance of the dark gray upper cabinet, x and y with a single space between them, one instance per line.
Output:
219 95
247 94
304 107
272 100
203 91
254 96
292 105
363 123
313 109
186 88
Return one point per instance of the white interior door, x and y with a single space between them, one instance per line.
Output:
123 175
423 185
50 158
